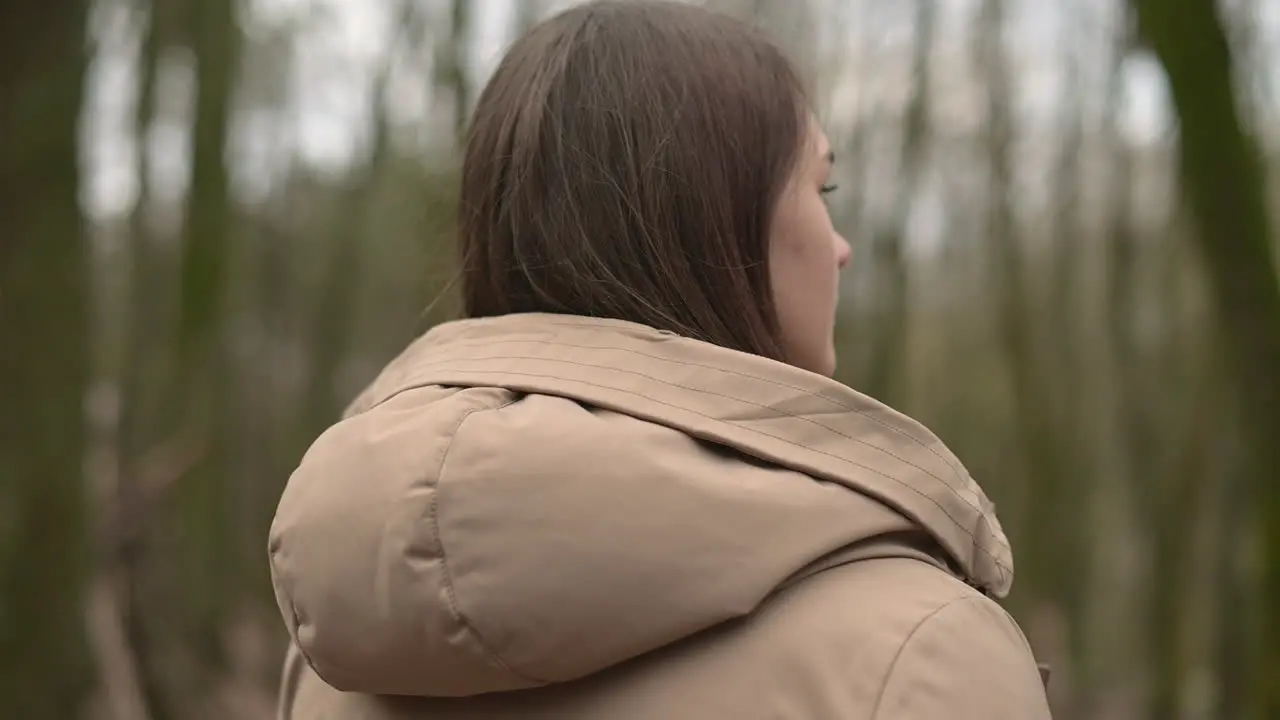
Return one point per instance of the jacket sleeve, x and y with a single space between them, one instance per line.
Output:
967 660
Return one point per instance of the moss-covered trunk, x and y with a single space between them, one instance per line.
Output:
43 362
1223 183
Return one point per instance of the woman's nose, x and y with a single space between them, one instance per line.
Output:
843 252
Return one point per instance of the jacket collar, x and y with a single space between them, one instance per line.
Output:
772 411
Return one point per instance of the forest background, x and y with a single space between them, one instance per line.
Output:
220 218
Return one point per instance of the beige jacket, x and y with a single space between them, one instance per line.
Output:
563 518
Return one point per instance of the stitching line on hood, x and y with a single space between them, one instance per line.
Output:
1004 570
433 516
959 474
963 478
953 463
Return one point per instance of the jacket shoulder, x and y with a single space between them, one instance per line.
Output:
967 659
900 638
943 649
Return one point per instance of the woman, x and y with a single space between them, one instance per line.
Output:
625 487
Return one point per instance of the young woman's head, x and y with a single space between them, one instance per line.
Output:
658 163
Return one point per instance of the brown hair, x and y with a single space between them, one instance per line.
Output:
624 162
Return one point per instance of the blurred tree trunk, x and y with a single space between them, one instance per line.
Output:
1050 504
1059 349
334 315
146 362
148 291
451 63
206 496
1050 511
44 362
1224 184
1061 334
887 337
187 549
1007 279
1180 489
1111 622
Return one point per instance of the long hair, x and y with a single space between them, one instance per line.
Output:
624 162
